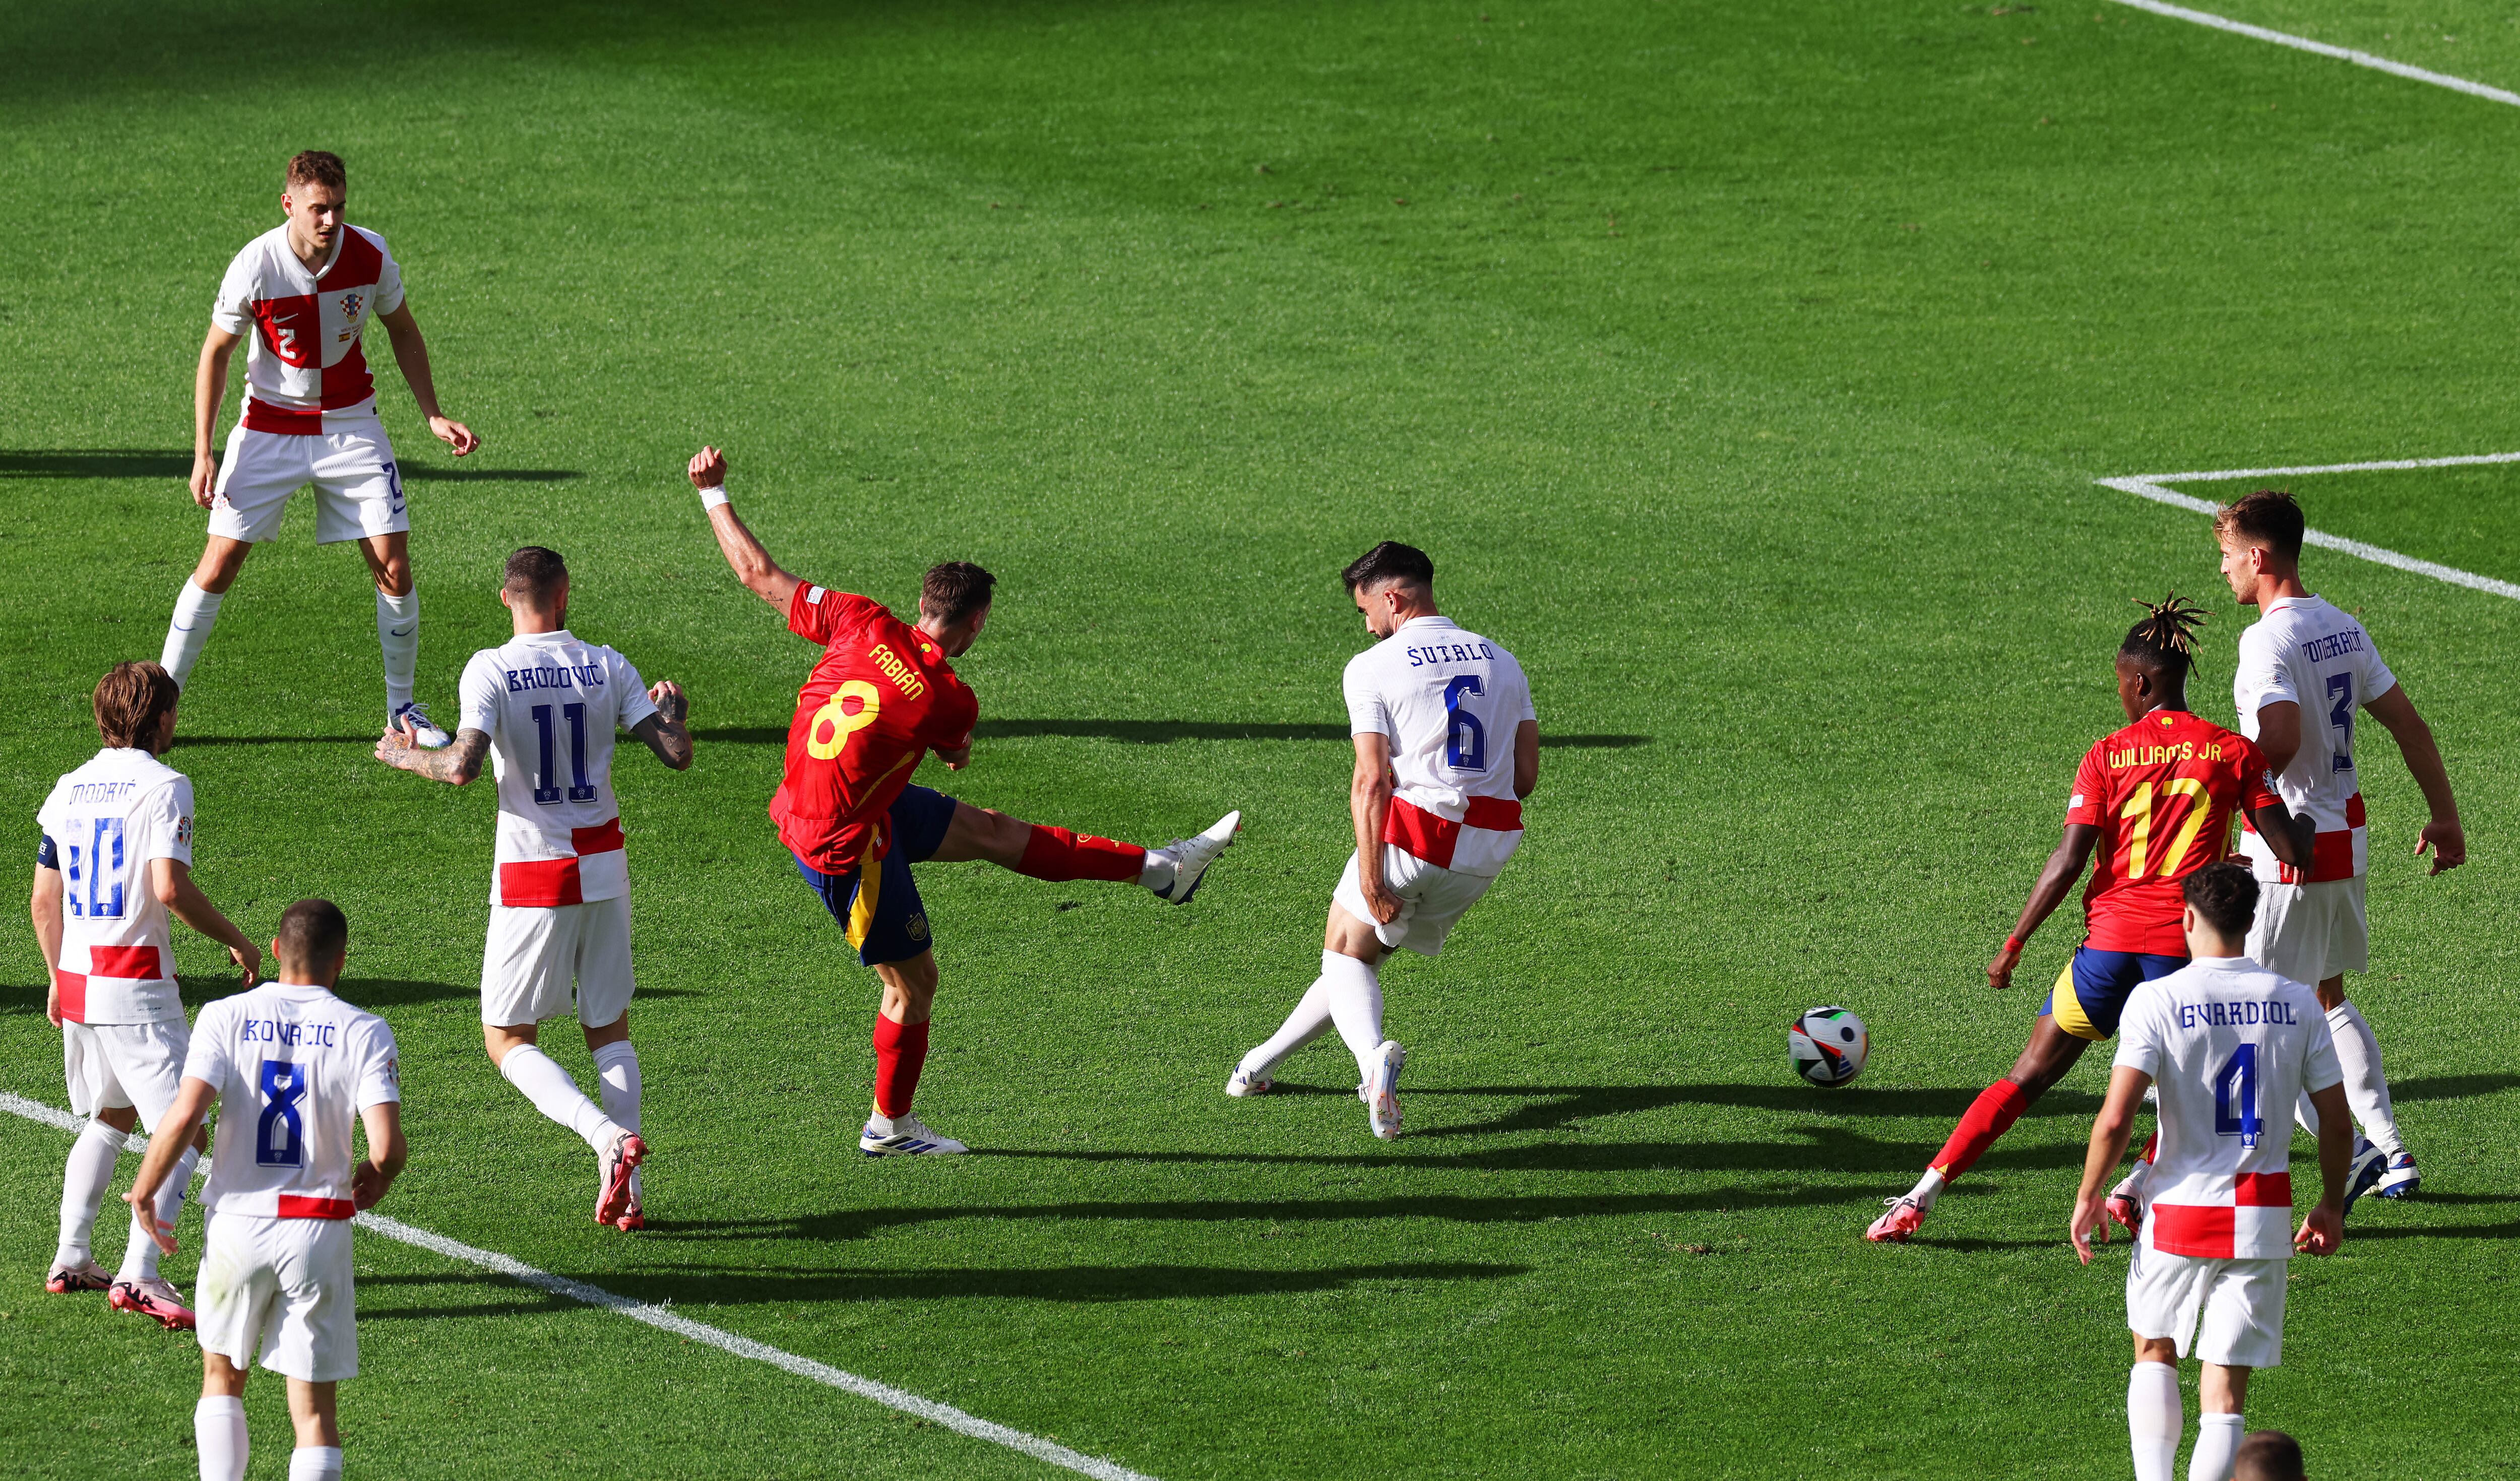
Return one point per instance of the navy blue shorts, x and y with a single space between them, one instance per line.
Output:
2093 988
882 912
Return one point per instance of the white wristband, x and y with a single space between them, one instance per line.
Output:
712 498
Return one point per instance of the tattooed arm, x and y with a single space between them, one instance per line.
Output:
457 764
664 731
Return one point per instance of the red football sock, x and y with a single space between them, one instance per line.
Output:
1054 853
900 1053
1990 1116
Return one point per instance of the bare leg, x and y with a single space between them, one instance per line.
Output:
976 833
388 561
221 560
910 986
311 1407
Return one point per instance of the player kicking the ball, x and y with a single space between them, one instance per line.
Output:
115 860
2154 801
305 290
543 709
880 697
2230 1046
1447 746
297 1068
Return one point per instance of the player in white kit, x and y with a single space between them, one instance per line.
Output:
2230 1045
2305 670
543 709
1447 746
115 862
303 291
297 1068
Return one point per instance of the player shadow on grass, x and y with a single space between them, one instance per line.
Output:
1150 732
754 1285
144 463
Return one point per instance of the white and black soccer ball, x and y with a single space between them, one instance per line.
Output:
1827 1045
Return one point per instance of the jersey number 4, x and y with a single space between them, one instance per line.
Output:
2137 812
2235 1095
545 778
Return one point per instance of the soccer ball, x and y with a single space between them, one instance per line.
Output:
1827 1045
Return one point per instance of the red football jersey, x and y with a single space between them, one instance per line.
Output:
2163 792
880 699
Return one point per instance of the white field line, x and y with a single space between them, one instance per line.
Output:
2324 49
665 1320
2153 486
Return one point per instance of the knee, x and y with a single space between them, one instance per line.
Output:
2156 1350
121 1118
393 577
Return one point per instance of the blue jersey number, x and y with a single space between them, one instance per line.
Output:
2235 1095
280 1136
1465 741
98 866
2340 717
545 774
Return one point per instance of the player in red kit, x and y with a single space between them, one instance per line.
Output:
883 695
2154 801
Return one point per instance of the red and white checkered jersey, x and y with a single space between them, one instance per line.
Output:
550 704
2230 1046
2306 653
1449 702
293 1066
101 826
304 366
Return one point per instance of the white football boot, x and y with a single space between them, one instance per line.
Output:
2400 1179
1174 870
1383 1091
425 731
1244 1083
2369 1167
903 1135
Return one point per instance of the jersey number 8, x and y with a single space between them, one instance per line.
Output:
834 722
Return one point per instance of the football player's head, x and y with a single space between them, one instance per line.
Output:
313 940
312 196
536 582
2261 535
2222 897
954 605
135 707
2268 1454
2154 659
1390 584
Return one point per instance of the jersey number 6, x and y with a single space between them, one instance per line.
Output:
1465 741
835 722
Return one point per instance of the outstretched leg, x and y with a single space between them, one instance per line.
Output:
2043 1061
1044 852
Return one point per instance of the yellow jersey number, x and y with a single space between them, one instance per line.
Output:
835 722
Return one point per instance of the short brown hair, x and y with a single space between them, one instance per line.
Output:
2267 518
132 702
2225 895
535 573
2268 1454
955 591
1390 564
311 934
318 166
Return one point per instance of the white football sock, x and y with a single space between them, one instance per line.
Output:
1309 1021
1928 1188
84 1180
616 1065
2153 1419
1159 871
2218 1441
2367 1090
399 633
188 632
1355 995
556 1096
140 1257
315 1463
218 1433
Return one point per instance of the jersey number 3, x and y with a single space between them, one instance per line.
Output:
836 721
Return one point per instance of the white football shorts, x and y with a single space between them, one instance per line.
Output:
114 1066
2230 1311
283 1286
358 488
1432 899
2311 932
536 952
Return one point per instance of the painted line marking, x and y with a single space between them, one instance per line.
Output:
665 1320
2153 486
2324 49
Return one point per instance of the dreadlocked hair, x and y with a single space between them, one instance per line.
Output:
2166 638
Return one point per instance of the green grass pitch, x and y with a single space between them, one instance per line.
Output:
1747 369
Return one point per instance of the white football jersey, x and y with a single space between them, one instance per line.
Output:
101 826
549 703
2305 652
1449 701
2230 1046
293 1066
303 362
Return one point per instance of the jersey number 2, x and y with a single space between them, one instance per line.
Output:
545 778
280 1136
2235 1095
1465 741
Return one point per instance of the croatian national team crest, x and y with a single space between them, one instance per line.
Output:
350 305
184 831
